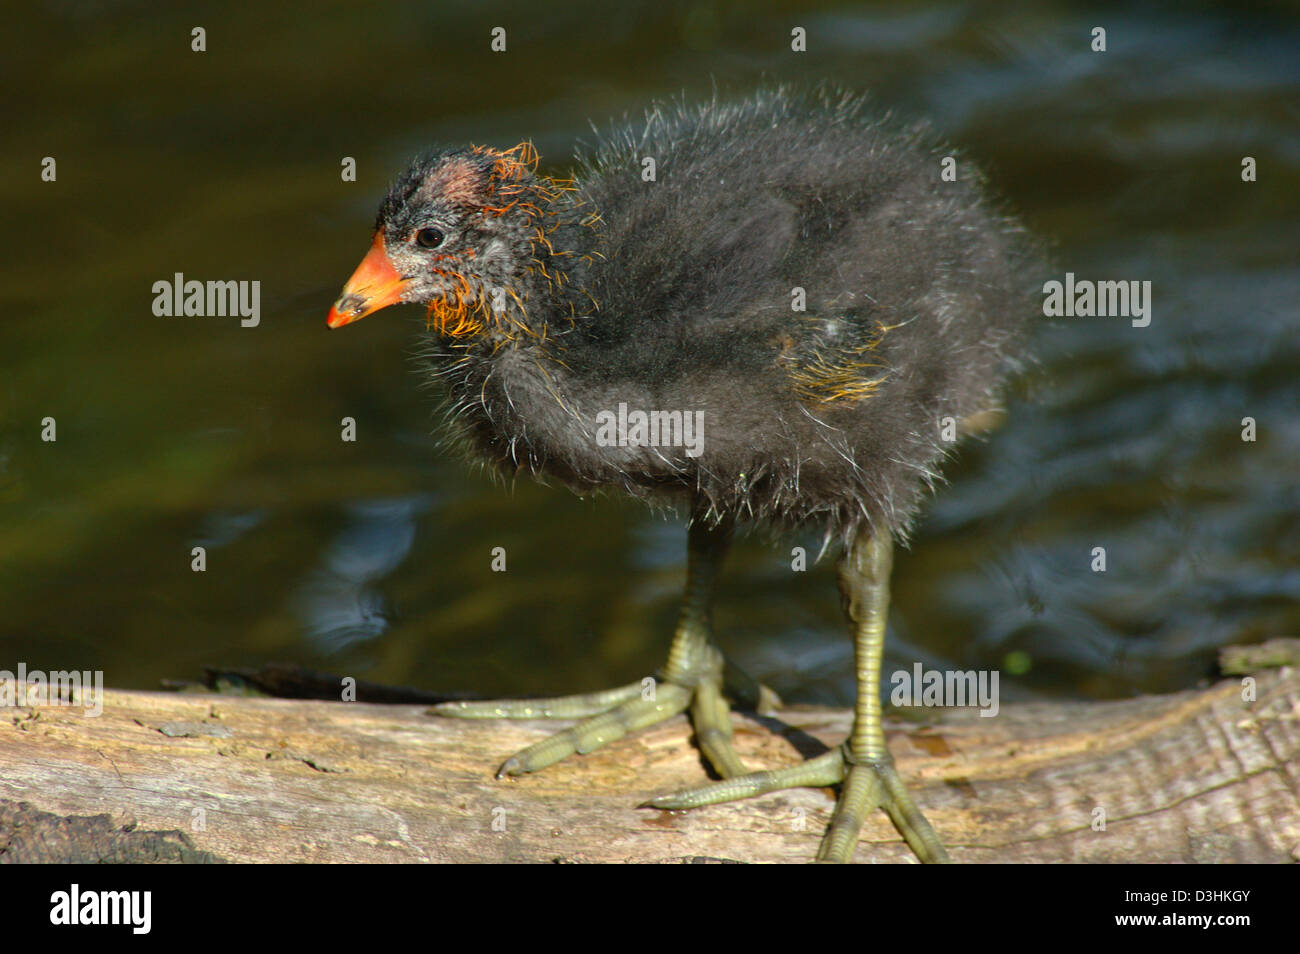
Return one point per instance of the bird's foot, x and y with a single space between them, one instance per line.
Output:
867 784
695 683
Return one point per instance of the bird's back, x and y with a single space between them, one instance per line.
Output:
802 274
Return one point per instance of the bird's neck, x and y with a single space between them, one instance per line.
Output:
511 384
555 281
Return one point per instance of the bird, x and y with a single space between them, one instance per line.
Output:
775 312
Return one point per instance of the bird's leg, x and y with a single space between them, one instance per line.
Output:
863 762
871 780
693 678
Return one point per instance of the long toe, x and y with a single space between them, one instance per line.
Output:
824 770
590 734
559 707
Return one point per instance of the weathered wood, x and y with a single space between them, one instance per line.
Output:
1195 776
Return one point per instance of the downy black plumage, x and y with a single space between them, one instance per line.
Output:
559 299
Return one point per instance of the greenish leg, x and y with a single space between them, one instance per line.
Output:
863 762
693 678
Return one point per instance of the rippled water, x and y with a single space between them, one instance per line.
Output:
373 558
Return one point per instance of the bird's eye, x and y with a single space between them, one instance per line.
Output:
429 238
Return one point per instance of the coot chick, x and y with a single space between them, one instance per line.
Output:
769 313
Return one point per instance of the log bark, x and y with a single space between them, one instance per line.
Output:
1198 776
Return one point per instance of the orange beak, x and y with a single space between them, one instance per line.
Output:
374 285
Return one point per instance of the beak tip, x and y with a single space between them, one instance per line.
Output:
374 285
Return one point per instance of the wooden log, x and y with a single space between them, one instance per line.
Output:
1198 776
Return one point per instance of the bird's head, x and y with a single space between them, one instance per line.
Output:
461 232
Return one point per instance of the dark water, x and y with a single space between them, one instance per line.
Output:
372 558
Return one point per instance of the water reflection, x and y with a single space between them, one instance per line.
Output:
342 602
